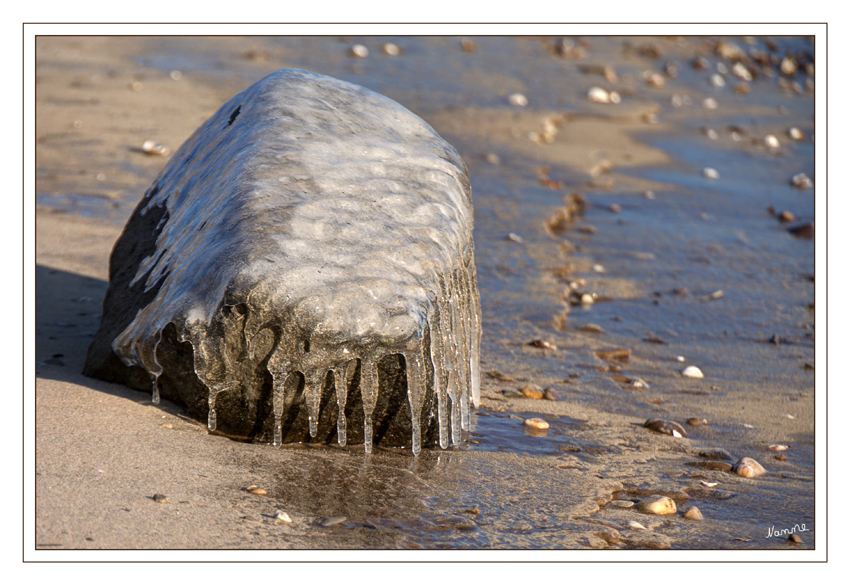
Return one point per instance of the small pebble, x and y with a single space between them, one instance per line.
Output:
795 539
598 268
493 158
359 51
592 328
780 457
680 358
708 483
615 208
621 355
718 294
740 71
771 141
715 454
587 299
747 467
801 181
778 448
536 423
710 173
692 372
635 525
136 86
333 520
795 133
176 75
167 426
804 230
515 238
517 99
786 216
532 392
694 421
659 505
709 103
160 499
748 426
621 503
257 491
717 80
693 513
390 49
710 132
666 427
551 394
468 45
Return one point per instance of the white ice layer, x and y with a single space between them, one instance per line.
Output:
343 224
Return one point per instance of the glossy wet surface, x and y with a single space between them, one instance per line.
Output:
662 257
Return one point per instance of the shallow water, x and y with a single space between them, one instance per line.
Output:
702 235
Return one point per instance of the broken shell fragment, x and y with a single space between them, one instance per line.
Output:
666 427
778 448
747 467
692 372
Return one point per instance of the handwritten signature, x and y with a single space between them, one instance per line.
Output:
772 531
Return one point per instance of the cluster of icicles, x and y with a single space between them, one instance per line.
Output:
454 333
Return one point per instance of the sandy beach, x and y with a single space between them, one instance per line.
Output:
683 270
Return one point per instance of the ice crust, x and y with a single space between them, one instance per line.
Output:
328 223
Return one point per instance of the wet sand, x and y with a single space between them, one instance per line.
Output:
103 451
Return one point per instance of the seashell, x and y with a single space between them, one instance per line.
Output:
540 343
709 103
654 79
693 513
515 238
717 80
587 299
536 423
602 96
517 99
739 70
154 148
710 173
692 372
694 421
778 448
359 51
742 88
771 141
390 49
666 427
747 467
281 516
635 525
598 268
659 505
710 132
795 133
533 392
708 483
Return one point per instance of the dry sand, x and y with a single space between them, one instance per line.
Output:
103 451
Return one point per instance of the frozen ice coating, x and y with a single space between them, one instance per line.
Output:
307 233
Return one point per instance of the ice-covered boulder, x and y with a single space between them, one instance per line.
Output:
302 270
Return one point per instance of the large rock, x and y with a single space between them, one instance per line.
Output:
307 252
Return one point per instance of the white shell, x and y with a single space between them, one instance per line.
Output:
359 51
601 96
536 423
778 448
795 133
692 372
517 99
710 173
771 141
709 103
636 525
390 49
717 80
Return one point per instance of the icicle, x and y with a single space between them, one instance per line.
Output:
450 357
341 390
277 404
155 391
439 386
213 393
415 394
313 382
475 353
455 420
369 392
